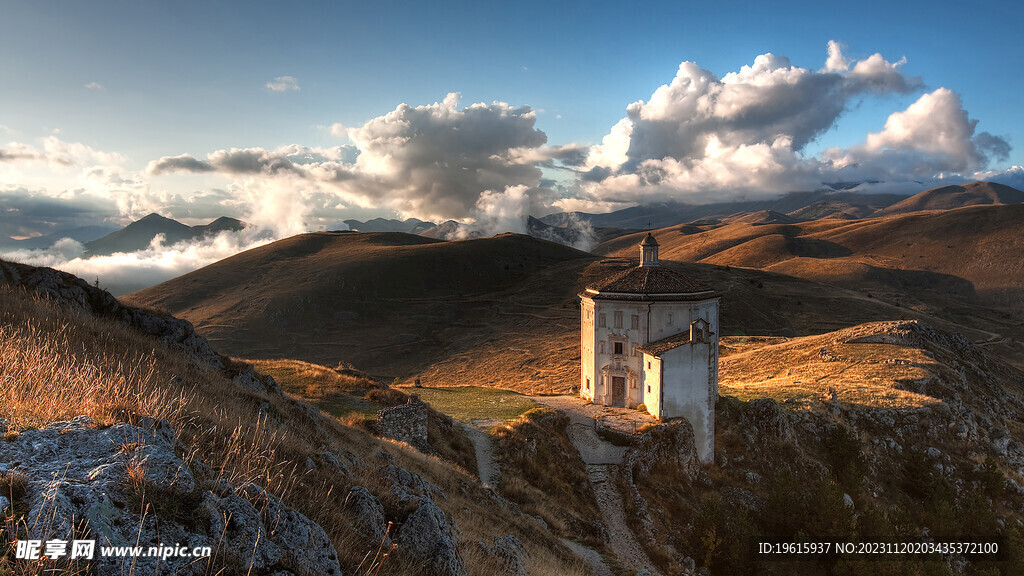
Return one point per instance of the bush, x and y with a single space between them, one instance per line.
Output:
641 408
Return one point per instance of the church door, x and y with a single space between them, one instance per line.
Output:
618 391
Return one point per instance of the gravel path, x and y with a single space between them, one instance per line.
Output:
591 557
602 459
487 468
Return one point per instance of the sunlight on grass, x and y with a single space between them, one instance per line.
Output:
468 403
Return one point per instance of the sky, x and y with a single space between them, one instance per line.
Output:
295 116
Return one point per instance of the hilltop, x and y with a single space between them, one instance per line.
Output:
949 197
499 311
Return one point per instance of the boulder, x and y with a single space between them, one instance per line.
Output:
126 486
368 516
428 535
508 555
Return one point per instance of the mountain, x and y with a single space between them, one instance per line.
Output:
410 226
81 234
948 197
139 234
664 214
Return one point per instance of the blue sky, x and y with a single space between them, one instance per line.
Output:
110 89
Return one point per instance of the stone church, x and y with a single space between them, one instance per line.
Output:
650 336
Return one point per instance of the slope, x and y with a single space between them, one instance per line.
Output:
949 197
76 368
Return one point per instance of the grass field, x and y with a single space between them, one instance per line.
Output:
468 403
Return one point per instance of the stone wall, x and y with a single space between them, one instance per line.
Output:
406 423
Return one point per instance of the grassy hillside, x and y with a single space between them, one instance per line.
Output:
57 363
964 265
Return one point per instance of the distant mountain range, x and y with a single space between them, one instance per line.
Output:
82 234
139 234
410 226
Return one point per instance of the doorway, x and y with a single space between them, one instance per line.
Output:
619 391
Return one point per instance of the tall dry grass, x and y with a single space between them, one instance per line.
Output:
57 363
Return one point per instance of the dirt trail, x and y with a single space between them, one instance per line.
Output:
602 459
487 469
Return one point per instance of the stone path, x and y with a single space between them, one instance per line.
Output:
602 459
487 468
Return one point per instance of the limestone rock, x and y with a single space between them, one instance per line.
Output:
766 420
666 444
80 477
72 291
508 554
407 488
368 516
427 534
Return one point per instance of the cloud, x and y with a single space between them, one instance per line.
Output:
126 272
434 161
282 84
933 135
94 86
701 138
25 212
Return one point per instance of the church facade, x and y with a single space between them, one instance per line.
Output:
649 336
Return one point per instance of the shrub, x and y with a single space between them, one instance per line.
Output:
641 408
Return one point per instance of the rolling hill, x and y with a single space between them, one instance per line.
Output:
949 197
499 311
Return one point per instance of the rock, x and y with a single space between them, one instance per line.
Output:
508 554
753 478
368 516
407 488
4 505
428 535
73 292
80 477
934 453
666 444
644 572
249 379
257 528
764 417
5 425
848 500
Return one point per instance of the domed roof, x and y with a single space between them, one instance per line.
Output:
642 283
649 241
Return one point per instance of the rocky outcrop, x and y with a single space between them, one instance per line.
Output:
126 486
425 533
72 291
668 444
764 420
508 555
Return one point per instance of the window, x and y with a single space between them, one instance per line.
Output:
618 348
634 322
648 388
618 319
601 321
588 383
669 319
648 365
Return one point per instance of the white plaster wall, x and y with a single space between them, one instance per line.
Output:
587 348
687 393
652 379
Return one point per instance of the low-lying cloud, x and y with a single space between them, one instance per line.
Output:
122 273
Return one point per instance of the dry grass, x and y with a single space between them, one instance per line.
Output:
542 472
808 369
56 364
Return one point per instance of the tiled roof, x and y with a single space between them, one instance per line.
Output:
659 347
649 280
